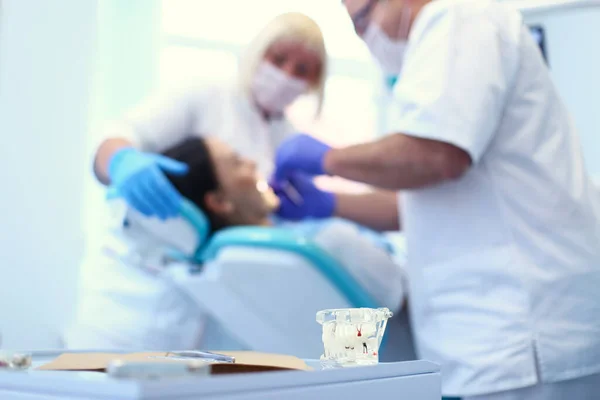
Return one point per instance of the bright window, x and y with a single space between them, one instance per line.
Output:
181 64
234 21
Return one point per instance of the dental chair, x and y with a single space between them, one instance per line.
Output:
261 287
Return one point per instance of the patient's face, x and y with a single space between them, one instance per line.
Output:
237 177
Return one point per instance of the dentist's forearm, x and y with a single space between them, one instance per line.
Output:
398 162
104 154
378 210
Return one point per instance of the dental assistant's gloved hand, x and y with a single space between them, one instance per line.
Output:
315 203
301 153
140 179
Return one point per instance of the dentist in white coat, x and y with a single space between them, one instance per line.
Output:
500 216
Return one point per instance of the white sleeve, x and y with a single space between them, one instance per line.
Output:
371 266
162 120
455 82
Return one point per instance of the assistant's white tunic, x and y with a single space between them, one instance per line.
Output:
220 110
504 263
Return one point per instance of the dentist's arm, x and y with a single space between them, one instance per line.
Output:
395 162
159 122
104 154
398 162
129 158
378 210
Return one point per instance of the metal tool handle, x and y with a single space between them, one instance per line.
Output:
203 355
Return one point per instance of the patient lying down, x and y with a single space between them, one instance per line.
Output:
226 187
222 184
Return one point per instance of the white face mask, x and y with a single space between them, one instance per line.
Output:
388 52
274 90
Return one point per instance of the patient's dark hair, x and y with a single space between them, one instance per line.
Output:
200 179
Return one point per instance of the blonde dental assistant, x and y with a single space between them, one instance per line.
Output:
500 216
286 60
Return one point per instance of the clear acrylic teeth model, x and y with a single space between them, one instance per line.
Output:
14 361
352 336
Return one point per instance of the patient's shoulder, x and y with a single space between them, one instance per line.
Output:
341 232
377 239
337 230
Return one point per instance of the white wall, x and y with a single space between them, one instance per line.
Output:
65 67
126 70
572 32
46 60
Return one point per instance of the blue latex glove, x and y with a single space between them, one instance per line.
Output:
140 179
301 153
315 203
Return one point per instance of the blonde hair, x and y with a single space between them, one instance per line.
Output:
289 26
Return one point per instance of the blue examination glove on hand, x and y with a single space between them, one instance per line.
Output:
314 203
140 179
301 153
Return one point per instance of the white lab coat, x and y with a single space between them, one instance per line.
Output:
503 263
123 304
220 109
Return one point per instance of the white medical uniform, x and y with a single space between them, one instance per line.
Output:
219 110
504 263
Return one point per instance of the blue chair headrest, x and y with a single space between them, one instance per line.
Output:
199 221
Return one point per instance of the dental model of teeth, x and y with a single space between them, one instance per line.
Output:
351 343
352 337
14 361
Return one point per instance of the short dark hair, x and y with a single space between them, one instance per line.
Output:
200 179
